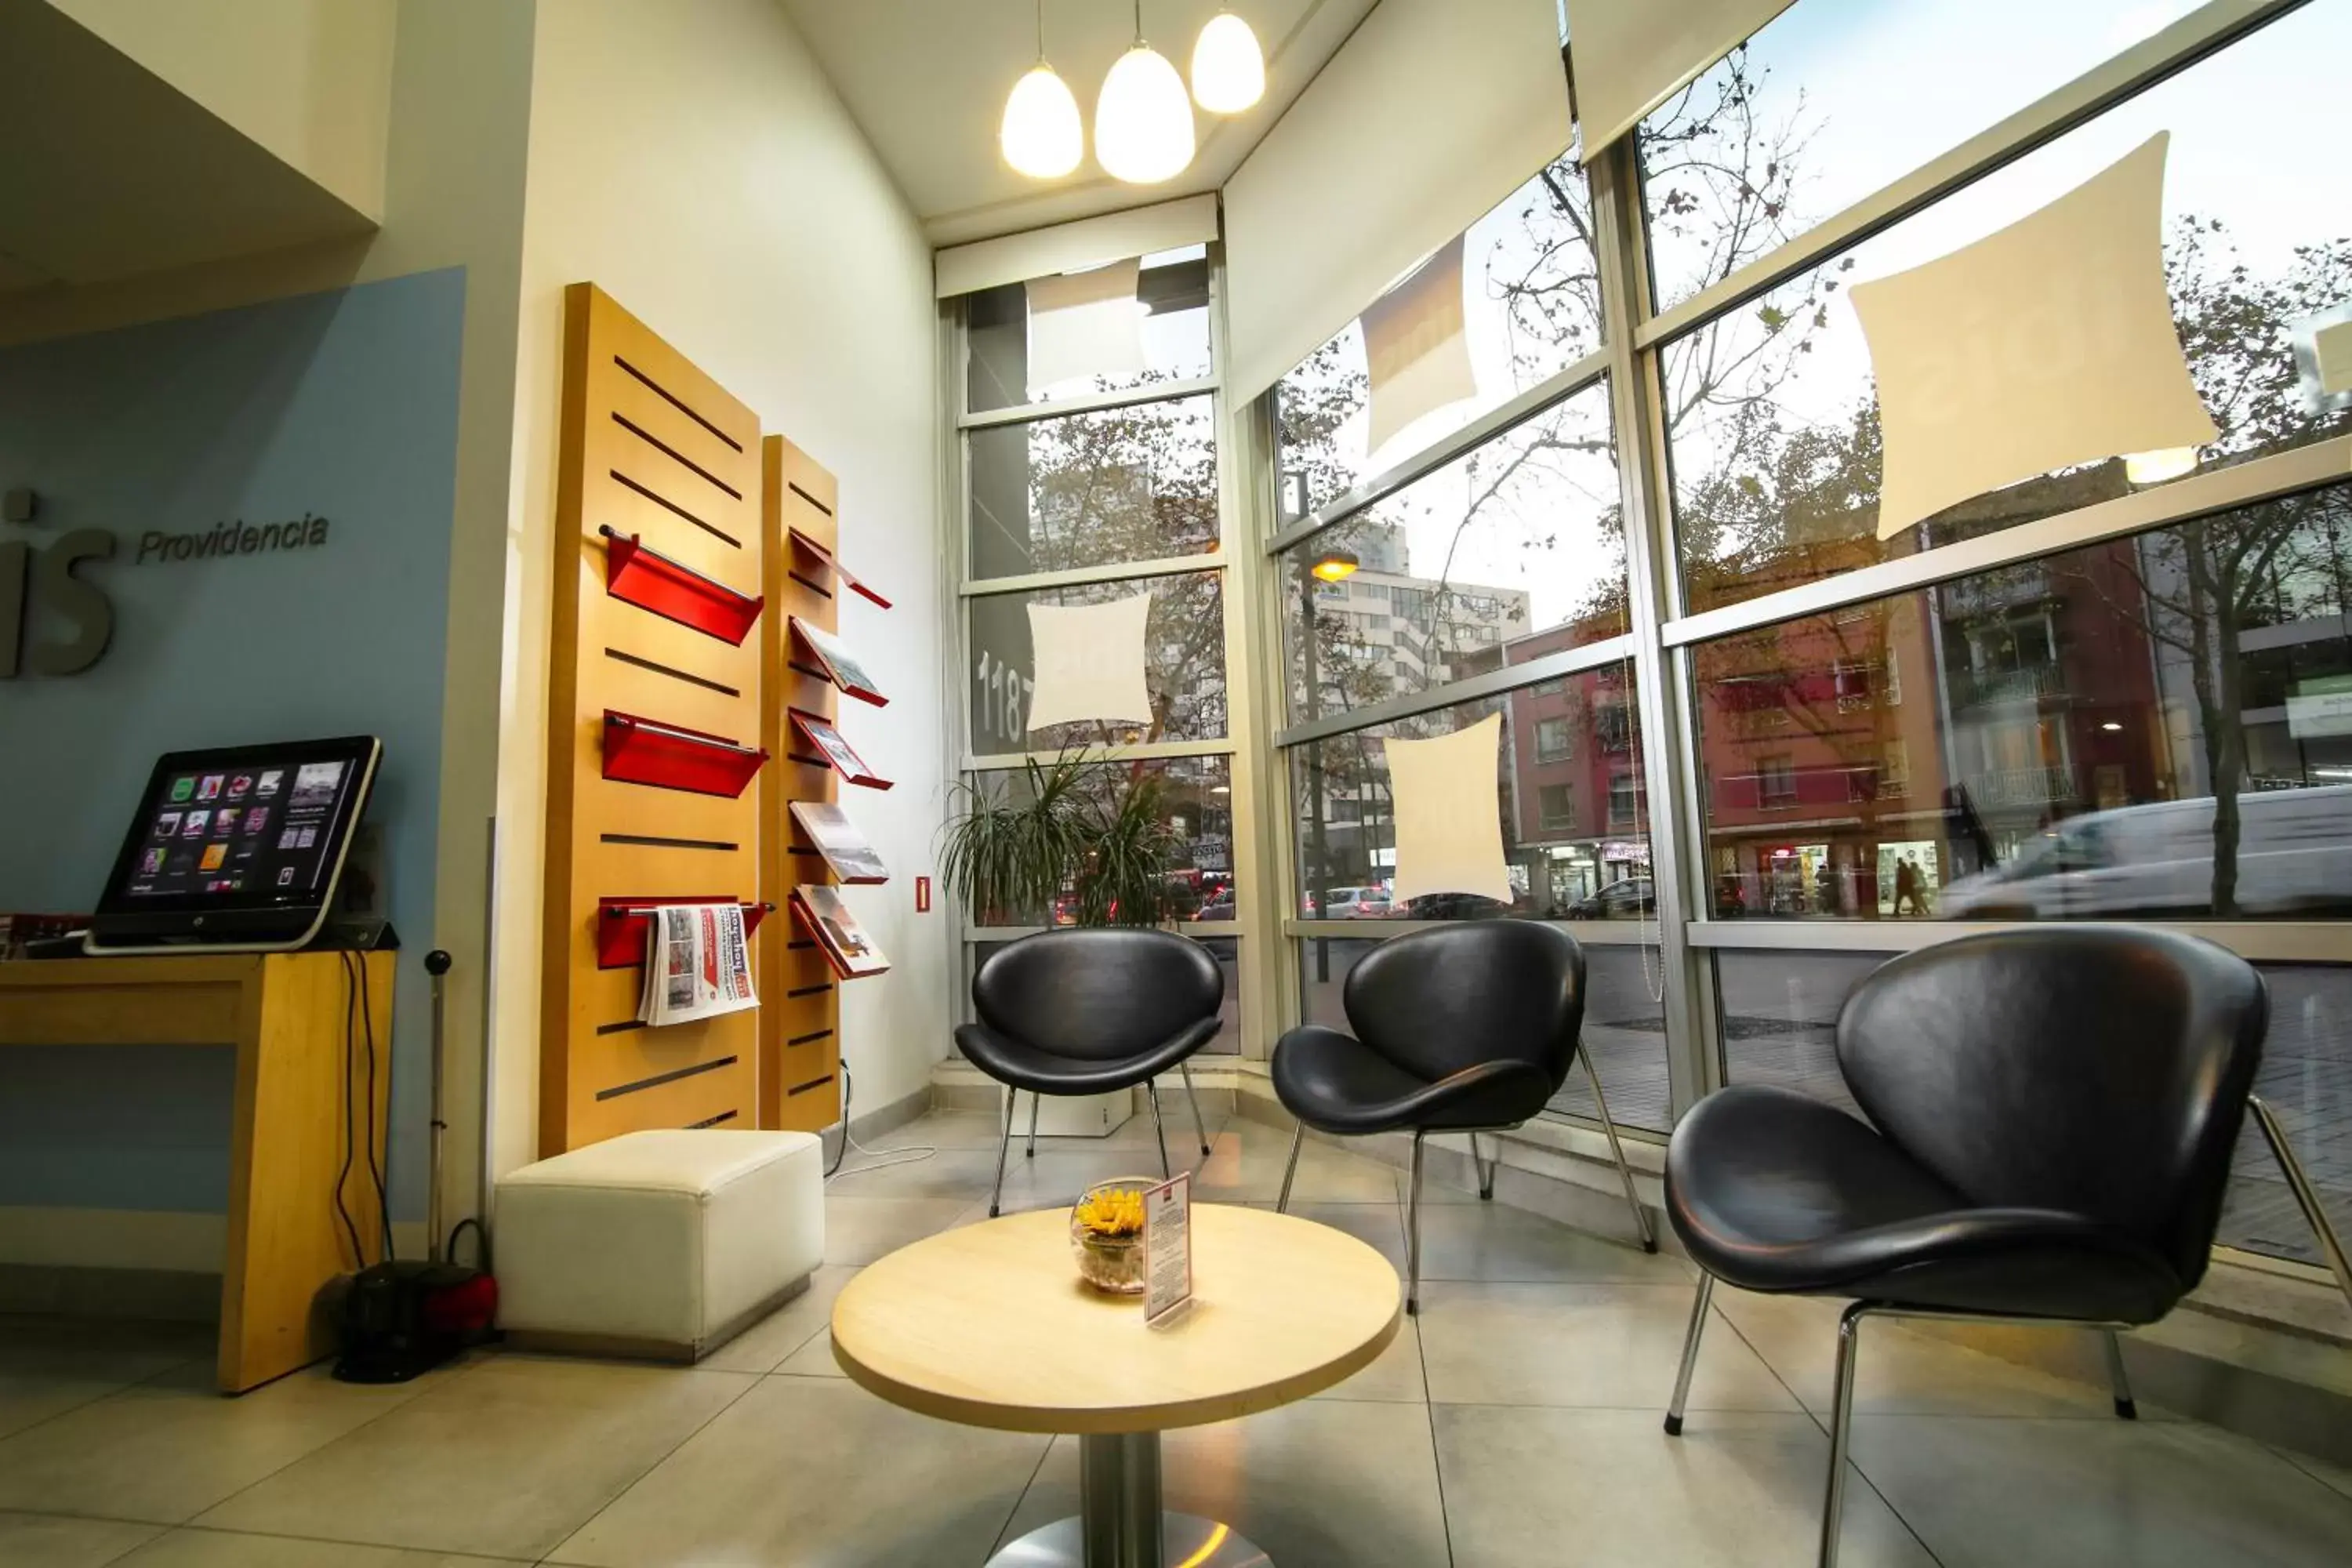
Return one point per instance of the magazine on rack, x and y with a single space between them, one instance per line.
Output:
832 835
698 963
833 752
840 667
846 946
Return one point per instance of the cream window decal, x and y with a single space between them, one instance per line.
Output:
1085 324
1449 832
2332 358
1414 348
1088 661
2047 344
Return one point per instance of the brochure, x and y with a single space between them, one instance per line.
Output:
840 667
832 835
826 740
845 943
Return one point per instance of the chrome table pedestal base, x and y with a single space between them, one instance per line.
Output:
1190 1540
1123 1526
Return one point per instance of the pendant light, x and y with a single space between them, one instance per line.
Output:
1143 120
1041 136
1228 66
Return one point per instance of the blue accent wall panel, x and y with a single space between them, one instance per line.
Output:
340 406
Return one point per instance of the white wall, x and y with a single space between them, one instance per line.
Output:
692 162
310 79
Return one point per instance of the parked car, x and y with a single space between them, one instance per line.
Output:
1358 904
1452 906
1628 898
1220 908
2294 856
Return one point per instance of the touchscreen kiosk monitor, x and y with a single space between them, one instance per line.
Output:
238 849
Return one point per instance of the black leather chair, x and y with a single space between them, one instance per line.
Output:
2052 1114
1463 1028
1091 1011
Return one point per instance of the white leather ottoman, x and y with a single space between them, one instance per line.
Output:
658 1244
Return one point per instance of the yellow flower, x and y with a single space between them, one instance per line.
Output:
1115 1212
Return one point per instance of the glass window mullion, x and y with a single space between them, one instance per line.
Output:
1679 977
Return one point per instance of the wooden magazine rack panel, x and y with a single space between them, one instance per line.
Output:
658 462
800 1015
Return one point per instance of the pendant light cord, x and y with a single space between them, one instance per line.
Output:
1041 32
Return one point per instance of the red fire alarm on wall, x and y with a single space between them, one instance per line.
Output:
922 895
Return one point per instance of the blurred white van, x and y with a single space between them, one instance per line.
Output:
2294 856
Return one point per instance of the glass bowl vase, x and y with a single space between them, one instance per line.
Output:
1112 1264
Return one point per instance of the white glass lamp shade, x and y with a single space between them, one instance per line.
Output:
1041 136
1144 121
1228 66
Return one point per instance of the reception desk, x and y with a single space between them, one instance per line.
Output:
284 1015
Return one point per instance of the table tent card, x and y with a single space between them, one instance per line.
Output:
1167 1247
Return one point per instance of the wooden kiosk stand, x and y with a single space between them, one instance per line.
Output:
284 1014
685 548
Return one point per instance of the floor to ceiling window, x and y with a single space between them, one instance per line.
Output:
1771 711
1437 567
1087 445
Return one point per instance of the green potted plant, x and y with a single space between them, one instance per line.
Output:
1089 831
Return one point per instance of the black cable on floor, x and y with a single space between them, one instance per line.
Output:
342 1212
375 1164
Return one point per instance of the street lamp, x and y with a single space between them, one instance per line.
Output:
1333 565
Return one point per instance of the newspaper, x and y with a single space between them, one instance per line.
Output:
698 963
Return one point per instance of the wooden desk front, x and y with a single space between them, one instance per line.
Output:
284 1014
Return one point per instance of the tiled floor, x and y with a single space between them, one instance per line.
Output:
1515 1424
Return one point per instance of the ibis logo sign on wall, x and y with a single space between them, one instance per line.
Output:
41 580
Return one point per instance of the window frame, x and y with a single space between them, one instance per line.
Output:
1253 877
1661 644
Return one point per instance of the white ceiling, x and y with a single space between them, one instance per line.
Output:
927 80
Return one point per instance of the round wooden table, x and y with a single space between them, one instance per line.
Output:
990 1326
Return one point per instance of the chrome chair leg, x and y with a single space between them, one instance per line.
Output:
1034 1101
1198 1125
2124 1404
1412 1235
1690 1355
1841 1432
2307 1196
1625 1172
1290 1170
1160 1128
1486 1172
1004 1147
